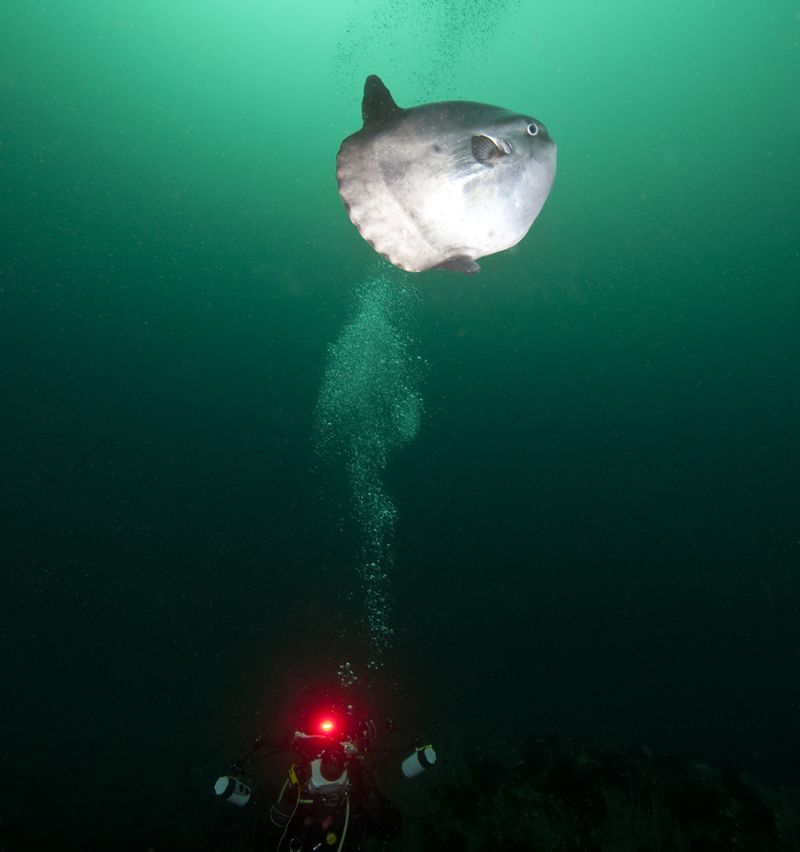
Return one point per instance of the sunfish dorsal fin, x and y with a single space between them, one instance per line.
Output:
378 107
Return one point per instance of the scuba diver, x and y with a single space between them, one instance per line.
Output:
329 799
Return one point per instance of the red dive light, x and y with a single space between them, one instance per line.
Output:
327 725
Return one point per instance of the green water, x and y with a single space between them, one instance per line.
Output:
596 520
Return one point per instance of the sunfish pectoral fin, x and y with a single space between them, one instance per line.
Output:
459 263
488 149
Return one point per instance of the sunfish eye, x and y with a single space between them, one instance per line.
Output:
533 129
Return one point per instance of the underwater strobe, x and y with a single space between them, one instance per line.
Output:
420 760
232 790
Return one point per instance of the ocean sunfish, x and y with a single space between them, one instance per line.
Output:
439 185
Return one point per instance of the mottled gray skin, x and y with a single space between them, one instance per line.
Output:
443 184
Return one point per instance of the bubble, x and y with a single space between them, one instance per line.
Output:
432 38
347 677
369 406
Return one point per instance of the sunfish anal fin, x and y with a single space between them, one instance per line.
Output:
459 263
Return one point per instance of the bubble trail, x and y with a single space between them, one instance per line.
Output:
369 406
